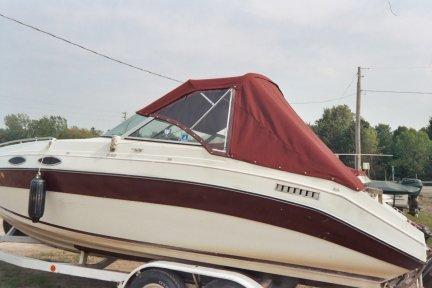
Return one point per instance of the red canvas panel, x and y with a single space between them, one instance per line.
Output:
266 131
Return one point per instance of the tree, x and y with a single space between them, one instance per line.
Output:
334 128
429 128
16 126
337 130
19 126
2 135
77 133
385 138
412 152
48 126
385 146
399 130
369 138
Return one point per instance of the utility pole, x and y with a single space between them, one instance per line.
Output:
124 115
358 122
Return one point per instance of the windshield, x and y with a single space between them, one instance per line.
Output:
125 126
206 113
158 130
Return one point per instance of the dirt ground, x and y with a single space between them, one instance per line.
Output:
13 277
426 200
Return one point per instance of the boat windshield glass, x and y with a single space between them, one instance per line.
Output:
163 131
206 113
125 126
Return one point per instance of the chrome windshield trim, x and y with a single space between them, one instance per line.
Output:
163 141
228 120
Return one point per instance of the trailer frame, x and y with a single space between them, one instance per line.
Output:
98 272
122 279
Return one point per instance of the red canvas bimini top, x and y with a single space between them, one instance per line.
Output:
264 129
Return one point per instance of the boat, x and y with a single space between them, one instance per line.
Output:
219 172
396 194
413 182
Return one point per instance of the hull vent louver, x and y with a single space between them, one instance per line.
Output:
297 191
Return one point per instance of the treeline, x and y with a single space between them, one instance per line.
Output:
411 149
20 126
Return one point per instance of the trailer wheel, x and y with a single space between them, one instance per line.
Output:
157 278
7 227
220 283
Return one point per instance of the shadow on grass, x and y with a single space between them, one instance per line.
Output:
13 277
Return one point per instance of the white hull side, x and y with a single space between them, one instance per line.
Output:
186 229
194 164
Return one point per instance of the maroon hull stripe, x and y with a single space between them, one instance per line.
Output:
215 199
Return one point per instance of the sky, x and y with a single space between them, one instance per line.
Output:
311 49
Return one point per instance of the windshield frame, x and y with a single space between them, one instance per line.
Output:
150 119
200 141
203 142
126 135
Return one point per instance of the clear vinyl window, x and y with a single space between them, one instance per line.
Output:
206 113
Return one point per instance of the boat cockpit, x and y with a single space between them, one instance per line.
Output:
201 118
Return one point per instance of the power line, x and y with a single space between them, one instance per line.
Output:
333 99
90 50
324 101
398 92
399 67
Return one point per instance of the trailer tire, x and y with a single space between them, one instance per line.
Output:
220 283
157 278
7 227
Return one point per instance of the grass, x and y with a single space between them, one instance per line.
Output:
424 218
13 277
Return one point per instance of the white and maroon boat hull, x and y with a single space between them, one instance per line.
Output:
155 200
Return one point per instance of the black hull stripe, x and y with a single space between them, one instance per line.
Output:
241 204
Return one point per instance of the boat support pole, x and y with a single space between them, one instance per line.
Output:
83 258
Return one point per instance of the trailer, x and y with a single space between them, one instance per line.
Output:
169 274
155 274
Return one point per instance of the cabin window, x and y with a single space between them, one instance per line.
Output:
163 131
206 113
17 160
49 161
